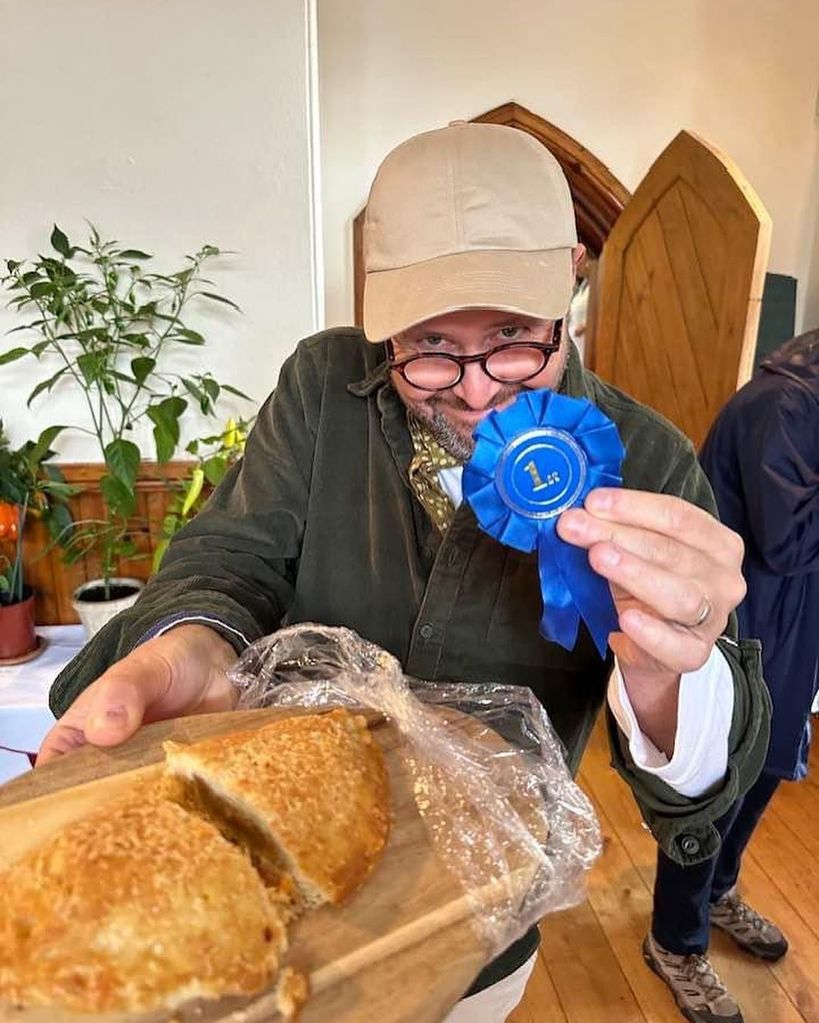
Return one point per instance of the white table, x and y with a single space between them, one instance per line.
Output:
24 714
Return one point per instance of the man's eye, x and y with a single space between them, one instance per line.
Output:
432 339
511 333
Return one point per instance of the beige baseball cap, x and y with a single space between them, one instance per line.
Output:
471 216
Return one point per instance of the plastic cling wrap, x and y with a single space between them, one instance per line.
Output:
505 818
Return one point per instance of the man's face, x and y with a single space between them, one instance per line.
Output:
453 414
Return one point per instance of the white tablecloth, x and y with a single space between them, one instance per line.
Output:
24 714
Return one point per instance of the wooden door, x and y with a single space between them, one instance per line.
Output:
679 286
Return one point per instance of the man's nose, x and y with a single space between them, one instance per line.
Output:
476 388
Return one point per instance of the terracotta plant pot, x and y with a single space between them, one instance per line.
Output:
17 635
94 610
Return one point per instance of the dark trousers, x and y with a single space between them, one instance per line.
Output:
683 895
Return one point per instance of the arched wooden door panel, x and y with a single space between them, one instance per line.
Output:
679 286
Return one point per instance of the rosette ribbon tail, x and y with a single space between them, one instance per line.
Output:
572 591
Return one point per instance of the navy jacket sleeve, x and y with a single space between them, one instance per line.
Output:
779 472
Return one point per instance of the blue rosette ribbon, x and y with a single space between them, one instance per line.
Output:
532 461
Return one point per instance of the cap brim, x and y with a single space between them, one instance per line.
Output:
536 284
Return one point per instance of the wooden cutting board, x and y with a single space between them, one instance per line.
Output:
402 950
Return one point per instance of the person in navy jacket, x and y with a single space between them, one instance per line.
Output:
762 459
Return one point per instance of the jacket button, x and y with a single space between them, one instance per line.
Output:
426 631
689 845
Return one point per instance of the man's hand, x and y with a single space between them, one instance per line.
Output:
675 575
181 672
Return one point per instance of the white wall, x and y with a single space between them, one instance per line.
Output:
168 123
621 76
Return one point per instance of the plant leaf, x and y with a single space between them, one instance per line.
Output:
25 326
159 554
215 468
139 340
165 417
189 337
62 491
60 242
59 519
134 254
12 355
89 364
46 385
236 391
123 457
119 498
142 368
41 288
165 440
44 442
170 524
195 392
211 386
219 298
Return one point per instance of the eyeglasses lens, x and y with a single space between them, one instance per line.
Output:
432 372
511 365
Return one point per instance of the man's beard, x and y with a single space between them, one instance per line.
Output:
458 440
455 439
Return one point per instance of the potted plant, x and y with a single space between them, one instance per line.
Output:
106 325
28 486
214 456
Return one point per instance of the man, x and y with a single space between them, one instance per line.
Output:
762 458
347 510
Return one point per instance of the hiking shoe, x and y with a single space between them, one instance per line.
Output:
749 930
700 994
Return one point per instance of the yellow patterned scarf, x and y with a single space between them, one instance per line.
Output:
428 461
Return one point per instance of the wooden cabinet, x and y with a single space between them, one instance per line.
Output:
54 581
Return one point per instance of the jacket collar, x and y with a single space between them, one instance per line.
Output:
575 382
378 375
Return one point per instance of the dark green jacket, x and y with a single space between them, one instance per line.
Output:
319 523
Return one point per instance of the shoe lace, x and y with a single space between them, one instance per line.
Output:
746 914
697 970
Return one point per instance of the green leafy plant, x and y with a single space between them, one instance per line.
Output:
106 324
28 487
214 456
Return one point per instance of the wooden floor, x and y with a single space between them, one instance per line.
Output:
590 969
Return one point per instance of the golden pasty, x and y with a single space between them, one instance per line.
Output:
308 796
134 907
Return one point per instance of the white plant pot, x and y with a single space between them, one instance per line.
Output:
96 613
